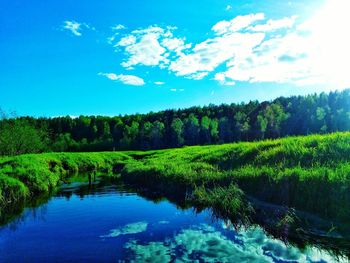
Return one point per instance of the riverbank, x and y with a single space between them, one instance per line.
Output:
309 173
26 176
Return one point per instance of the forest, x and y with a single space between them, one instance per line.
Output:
252 121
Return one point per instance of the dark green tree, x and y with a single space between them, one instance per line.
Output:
176 133
225 131
191 130
19 136
205 136
157 135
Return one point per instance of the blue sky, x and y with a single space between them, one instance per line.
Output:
119 57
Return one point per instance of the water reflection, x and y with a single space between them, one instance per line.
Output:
133 228
208 244
15 215
292 227
103 220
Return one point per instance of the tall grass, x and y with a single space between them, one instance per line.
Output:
25 176
310 173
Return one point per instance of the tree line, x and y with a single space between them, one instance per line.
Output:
296 115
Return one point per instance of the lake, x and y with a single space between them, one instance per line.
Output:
109 223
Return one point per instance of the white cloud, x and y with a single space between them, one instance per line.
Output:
275 60
221 78
116 30
175 90
315 52
75 27
228 7
175 44
198 76
125 79
149 30
205 57
110 39
156 46
151 46
118 27
111 76
143 48
271 25
127 41
236 24
159 83
252 48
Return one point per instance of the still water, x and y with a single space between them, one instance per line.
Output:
112 224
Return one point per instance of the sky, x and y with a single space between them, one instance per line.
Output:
112 57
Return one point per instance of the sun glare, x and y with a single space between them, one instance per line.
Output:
330 42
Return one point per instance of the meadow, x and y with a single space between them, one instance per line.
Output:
308 173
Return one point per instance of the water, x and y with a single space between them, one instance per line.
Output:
111 224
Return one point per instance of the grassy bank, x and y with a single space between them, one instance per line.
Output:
23 177
310 173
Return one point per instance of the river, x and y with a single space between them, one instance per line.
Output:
109 223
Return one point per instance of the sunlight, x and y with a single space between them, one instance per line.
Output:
329 42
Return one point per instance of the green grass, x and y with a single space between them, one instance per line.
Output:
26 176
227 202
310 173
